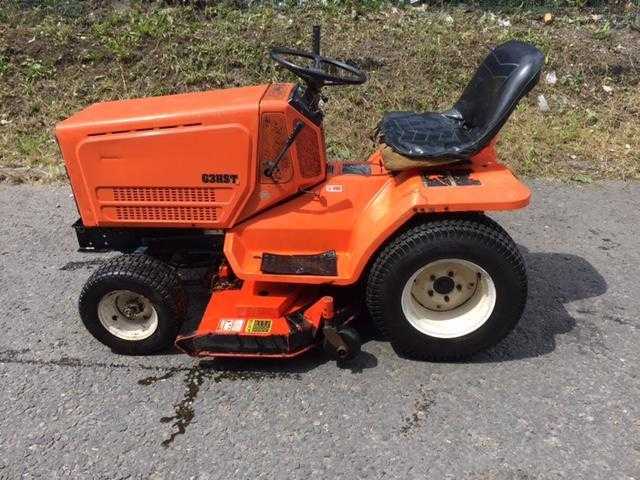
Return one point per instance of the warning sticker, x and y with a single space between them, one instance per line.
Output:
230 325
258 326
333 188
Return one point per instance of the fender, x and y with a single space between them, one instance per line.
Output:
351 215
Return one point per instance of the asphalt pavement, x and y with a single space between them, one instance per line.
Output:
559 398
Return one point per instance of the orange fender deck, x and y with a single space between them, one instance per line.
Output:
353 215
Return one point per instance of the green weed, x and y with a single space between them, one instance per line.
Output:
603 32
4 64
34 70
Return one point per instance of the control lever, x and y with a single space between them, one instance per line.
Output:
269 171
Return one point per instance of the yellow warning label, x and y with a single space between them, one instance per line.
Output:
258 326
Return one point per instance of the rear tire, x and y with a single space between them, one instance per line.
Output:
422 295
133 304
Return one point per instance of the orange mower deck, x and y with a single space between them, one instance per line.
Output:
258 320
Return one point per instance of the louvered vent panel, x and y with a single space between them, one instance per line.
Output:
167 214
308 149
164 194
273 135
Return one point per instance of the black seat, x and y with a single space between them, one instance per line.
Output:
506 75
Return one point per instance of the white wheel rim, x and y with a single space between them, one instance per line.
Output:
127 315
448 298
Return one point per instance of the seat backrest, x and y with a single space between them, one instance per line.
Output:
508 73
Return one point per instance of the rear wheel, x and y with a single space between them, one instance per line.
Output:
447 288
133 304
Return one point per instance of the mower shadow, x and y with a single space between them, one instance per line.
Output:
555 279
287 368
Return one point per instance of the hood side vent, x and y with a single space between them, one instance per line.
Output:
148 129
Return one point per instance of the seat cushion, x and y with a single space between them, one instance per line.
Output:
424 135
396 162
508 73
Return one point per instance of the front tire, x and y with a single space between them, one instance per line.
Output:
446 289
134 304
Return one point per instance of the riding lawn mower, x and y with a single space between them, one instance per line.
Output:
297 246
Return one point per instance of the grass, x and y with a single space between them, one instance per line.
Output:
58 56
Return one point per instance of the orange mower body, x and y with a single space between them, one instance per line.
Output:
179 166
240 178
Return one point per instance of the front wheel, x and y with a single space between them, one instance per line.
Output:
448 288
133 304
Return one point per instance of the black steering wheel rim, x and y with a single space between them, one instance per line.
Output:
317 75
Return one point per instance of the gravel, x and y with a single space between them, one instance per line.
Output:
559 398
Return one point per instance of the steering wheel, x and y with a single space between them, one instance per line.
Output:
317 70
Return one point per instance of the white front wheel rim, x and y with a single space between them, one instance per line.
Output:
448 298
127 315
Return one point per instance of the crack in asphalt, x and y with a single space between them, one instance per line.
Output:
184 411
84 264
11 356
